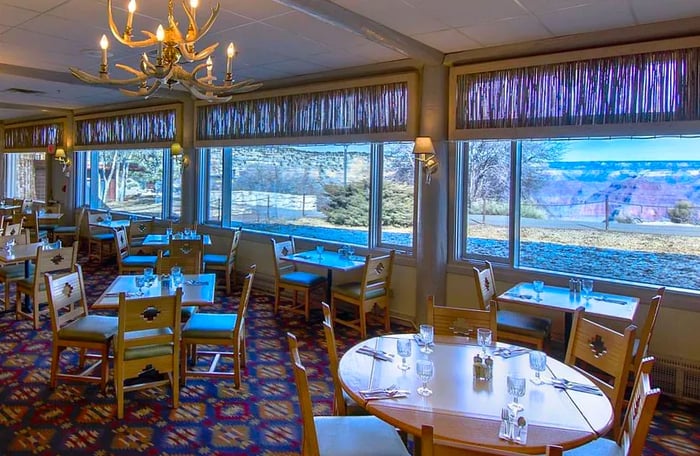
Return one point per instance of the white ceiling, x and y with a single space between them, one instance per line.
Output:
40 39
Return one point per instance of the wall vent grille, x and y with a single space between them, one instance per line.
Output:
677 377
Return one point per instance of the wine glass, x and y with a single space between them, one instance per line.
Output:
319 250
516 388
425 370
140 282
403 348
538 363
176 275
426 335
587 288
538 286
150 277
483 337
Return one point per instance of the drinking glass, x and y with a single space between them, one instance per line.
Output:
538 286
150 277
403 348
319 250
516 388
426 335
425 370
483 337
187 233
587 288
140 282
538 363
169 232
176 275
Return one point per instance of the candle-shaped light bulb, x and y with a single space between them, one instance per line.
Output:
104 44
131 8
194 4
210 65
230 52
160 36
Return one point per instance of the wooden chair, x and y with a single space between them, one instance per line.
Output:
52 207
215 329
455 321
372 291
125 260
57 261
147 343
637 420
31 224
99 239
641 343
342 403
512 326
340 435
225 263
138 230
68 234
190 264
73 327
13 229
13 272
186 247
433 447
27 206
287 277
603 355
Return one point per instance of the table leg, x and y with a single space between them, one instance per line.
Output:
568 322
329 284
26 306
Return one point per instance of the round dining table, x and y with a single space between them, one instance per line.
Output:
468 410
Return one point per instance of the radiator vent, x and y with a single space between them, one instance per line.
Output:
677 377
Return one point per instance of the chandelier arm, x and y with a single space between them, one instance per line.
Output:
128 42
90 79
195 56
206 96
143 91
191 19
207 25
226 89
131 70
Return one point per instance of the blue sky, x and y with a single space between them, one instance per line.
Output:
662 149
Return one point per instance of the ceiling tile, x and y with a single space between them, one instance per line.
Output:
12 16
256 9
458 13
316 29
587 18
648 11
516 29
34 5
543 6
447 41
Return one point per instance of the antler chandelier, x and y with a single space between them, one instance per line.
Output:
172 47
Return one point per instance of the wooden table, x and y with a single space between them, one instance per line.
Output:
49 216
163 240
616 307
197 290
112 224
330 261
466 410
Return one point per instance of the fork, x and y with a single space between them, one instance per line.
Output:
379 390
505 416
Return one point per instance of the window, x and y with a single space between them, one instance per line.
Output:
624 209
132 181
324 192
25 175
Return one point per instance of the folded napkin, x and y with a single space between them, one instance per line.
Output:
380 355
514 431
573 386
384 394
196 282
509 352
520 296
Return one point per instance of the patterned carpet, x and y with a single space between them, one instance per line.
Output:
213 418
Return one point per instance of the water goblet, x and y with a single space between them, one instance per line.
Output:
176 275
587 288
538 286
403 348
140 282
351 252
150 277
516 388
484 338
319 250
169 232
426 334
538 363
425 370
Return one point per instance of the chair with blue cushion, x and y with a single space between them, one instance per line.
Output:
217 330
373 291
287 277
225 262
99 239
70 233
138 230
512 326
13 272
340 435
73 327
125 260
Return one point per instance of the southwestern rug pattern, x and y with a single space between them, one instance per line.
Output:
262 418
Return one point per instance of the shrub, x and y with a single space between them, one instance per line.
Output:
682 212
349 205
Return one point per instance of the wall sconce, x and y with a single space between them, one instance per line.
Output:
60 156
425 153
177 153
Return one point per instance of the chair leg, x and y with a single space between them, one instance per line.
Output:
228 282
307 304
363 322
104 368
237 356
277 300
55 359
387 319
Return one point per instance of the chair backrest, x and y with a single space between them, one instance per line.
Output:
122 243
52 262
640 411
435 447
95 218
138 229
485 283
338 401
19 237
647 330
455 321
239 329
31 224
186 247
14 229
309 439
280 250
66 297
608 352
52 207
27 206
190 264
377 275
233 250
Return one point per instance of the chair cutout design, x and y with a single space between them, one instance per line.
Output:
46 261
70 232
147 345
13 229
342 403
217 330
430 446
641 343
512 326
340 435
225 263
125 260
372 291
73 327
608 352
287 277
13 272
637 421
455 321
